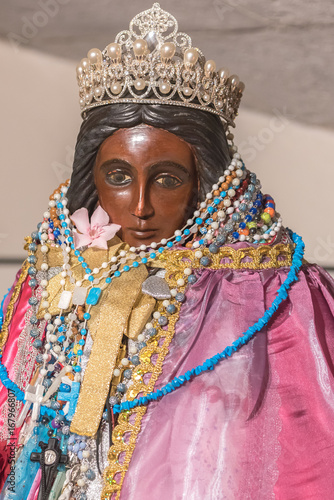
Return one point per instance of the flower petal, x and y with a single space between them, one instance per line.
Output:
99 243
81 220
110 231
99 217
81 240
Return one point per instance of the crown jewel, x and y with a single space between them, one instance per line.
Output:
152 62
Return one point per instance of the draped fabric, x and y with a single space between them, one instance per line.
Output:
261 424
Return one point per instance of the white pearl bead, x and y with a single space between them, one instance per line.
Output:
116 88
84 467
140 47
236 181
237 156
49 328
152 245
141 337
117 372
198 254
148 326
223 74
57 348
44 294
230 210
95 56
276 229
156 315
180 282
163 241
143 247
215 187
231 193
125 362
44 249
62 282
57 196
187 271
221 178
47 316
227 202
195 244
43 372
221 214
167 50
61 358
203 204
242 237
190 56
164 87
236 203
45 225
239 172
189 222
53 337
45 304
173 292
85 453
197 213
166 303
52 203
133 349
67 249
215 225
45 356
114 51
139 84
266 236
209 67
44 266
68 368
256 237
177 232
46 215
272 233
98 91
209 196
104 265
234 80
44 283
81 482
227 172
96 270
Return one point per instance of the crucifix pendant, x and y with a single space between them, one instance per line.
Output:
49 458
33 396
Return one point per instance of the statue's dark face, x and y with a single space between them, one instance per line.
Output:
146 181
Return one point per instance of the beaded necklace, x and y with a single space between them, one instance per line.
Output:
234 210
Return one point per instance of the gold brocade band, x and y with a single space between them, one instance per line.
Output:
11 305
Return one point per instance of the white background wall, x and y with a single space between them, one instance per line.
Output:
39 122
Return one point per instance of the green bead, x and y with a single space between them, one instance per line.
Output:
251 224
266 217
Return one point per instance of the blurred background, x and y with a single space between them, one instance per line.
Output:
283 50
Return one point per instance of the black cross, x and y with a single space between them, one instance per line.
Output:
49 458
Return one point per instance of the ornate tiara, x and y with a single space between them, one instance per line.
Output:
152 62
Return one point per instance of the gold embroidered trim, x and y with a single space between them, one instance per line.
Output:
129 422
262 257
11 305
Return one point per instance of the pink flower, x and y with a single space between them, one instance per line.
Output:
97 232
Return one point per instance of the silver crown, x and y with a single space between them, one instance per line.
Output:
153 63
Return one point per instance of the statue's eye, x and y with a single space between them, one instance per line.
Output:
168 181
118 178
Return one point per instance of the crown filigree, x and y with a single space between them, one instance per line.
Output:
152 62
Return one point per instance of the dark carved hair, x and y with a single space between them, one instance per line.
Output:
203 131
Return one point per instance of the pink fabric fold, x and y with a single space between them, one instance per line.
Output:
261 424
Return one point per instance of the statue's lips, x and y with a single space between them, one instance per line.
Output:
142 233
